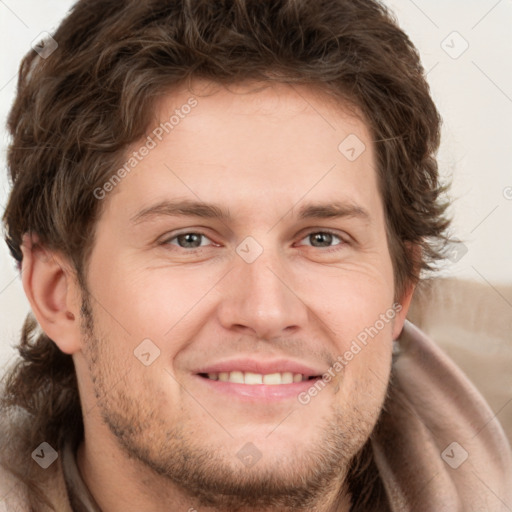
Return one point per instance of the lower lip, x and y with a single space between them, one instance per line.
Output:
263 392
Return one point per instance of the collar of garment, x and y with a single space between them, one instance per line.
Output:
437 445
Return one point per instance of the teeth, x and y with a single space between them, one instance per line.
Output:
272 378
250 378
237 377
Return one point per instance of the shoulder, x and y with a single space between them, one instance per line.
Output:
23 482
438 444
13 496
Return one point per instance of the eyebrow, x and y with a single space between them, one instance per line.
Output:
212 211
181 208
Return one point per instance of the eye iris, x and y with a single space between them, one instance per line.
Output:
321 239
189 240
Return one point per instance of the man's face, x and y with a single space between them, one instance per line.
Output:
246 311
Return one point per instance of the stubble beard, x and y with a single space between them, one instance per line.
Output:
211 477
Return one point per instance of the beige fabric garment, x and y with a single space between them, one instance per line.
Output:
13 495
472 322
431 405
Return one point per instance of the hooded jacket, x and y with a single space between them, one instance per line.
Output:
438 446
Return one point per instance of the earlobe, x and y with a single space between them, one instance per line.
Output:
51 289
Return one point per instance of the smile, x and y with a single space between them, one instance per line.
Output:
251 379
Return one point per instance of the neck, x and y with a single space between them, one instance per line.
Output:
118 484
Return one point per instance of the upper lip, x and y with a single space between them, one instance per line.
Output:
262 367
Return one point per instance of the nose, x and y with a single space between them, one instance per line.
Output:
261 299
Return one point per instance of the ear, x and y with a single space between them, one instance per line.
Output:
53 292
402 307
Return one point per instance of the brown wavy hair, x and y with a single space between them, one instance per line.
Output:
77 111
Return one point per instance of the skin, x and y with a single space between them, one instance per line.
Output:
161 435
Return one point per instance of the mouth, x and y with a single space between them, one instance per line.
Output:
254 379
257 388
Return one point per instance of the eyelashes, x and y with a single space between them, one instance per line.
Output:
190 241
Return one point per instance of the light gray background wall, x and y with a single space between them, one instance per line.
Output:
473 90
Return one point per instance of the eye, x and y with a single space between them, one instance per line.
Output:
322 239
190 240
194 240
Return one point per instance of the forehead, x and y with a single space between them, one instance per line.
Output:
251 147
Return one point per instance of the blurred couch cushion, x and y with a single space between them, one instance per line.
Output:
472 322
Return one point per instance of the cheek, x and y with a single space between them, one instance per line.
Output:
351 301
171 299
364 372
355 309
149 302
